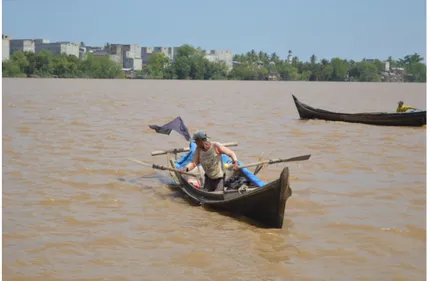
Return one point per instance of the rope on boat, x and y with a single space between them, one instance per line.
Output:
245 188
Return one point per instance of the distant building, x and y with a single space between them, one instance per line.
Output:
57 48
170 52
23 45
38 43
91 49
220 55
128 55
132 51
5 47
387 66
132 56
112 57
100 53
133 63
83 52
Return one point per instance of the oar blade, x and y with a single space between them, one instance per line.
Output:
300 158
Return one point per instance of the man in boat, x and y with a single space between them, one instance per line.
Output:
405 108
208 154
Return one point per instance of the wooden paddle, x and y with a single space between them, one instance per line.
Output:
273 161
185 149
259 167
160 167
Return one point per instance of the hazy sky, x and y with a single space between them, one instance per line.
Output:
353 29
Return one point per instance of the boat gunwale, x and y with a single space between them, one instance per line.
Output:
372 114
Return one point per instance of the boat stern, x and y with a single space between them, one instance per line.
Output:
285 193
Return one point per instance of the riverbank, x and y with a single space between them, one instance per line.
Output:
191 64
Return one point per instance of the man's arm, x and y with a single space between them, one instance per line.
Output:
221 149
194 162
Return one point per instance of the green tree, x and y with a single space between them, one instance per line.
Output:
365 72
20 59
157 64
417 72
11 69
379 65
306 75
295 61
274 57
43 64
287 72
16 65
326 72
409 59
339 68
244 71
313 60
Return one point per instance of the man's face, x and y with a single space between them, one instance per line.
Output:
199 142
400 103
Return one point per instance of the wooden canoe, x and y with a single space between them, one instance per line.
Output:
264 204
418 118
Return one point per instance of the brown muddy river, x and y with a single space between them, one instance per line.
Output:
357 211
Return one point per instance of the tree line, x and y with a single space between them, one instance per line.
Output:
191 63
46 64
257 66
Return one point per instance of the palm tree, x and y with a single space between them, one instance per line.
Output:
274 57
410 59
261 55
295 61
313 59
253 55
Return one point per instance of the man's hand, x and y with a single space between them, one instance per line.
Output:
236 165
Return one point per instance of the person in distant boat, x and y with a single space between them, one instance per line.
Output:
208 154
405 108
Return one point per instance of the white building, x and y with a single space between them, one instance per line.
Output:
39 42
24 45
5 47
387 66
220 55
169 52
128 55
132 57
83 52
57 48
133 63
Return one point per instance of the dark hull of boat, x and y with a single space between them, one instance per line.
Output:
372 118
265 205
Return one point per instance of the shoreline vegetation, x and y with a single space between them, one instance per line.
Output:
190 64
